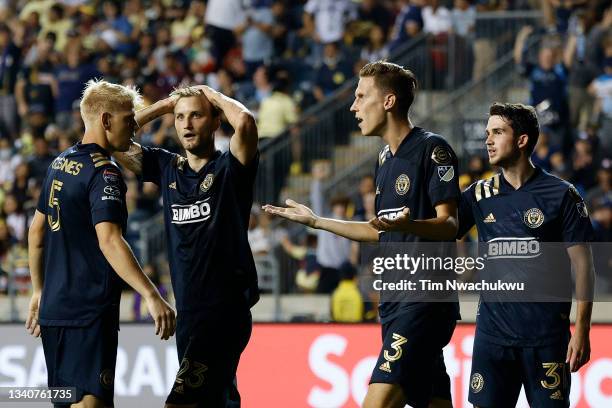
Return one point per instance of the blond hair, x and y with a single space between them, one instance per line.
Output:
102 96
190 91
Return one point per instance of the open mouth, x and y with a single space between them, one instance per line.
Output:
189 135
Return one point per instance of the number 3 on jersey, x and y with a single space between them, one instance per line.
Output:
56 185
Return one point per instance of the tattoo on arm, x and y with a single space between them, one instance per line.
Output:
132 159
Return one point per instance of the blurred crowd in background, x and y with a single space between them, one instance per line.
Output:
280 57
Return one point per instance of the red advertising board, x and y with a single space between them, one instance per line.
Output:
329 365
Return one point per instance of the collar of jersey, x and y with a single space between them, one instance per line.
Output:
214 157
507 186
409 141
91 147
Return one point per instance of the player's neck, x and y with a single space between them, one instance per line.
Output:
197 161
395 132
518 173
91 136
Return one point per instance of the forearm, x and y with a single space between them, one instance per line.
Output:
132 159
35 260
584 310
357 231
439 228
235 112
154 111
120 257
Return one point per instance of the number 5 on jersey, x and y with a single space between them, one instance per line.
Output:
56 185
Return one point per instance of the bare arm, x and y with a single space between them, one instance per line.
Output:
519 45
579 348
570 51
243 143
119 255
443 227
36 237
357 231
132 159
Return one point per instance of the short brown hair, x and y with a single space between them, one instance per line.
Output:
393 78
190 91
523 120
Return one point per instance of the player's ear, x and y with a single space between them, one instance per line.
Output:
522 141
106 120
390 100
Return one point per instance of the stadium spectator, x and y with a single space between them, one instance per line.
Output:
601 88
436 18
255 34
278 110
602 192
546 156
115 30
222 18
583 166
71 78
363 199
346 300
257 235
10 59
40 160
332 74
56 22
463 18
16 219
332 250
548 83
375 49
408 22
8 163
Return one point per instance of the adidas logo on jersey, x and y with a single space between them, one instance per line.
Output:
489 218
557 395
172 185
385 367
190 213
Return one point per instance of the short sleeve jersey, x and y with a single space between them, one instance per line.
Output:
421 174
206 214
82 188
544 209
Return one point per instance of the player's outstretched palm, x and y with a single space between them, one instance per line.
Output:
163 315
294 211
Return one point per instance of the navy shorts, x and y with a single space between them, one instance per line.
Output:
83 357
209 350
499 371
411 355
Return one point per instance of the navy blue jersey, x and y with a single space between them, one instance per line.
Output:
206 215
422 173
82 188
544 209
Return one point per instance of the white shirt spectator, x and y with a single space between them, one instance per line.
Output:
463 21
330 17
602 86
227 14
436 22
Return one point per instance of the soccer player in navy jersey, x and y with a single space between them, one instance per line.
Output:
417 194
527 342
207 201
77 253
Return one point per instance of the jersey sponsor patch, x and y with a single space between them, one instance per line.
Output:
533 218
446 173
112 190
441 155
402 184
110 176
190 213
